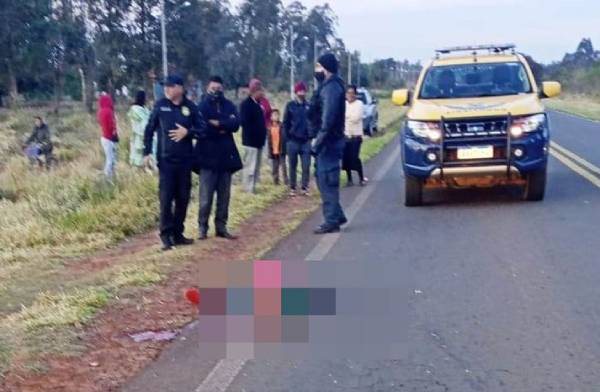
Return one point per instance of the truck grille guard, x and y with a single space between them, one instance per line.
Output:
459 130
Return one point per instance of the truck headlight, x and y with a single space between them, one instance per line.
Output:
425 129
527 124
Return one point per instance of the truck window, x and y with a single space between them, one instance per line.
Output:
475 80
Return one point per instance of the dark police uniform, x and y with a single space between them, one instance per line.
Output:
174 161
327 115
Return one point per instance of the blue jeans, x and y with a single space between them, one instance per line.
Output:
295 149
110 157
327 167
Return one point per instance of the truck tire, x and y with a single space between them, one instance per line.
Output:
413 187
536 185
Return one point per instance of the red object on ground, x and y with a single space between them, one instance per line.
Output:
193 295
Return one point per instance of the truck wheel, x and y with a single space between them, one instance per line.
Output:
413 187
536 185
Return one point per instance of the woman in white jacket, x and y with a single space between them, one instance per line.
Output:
354 135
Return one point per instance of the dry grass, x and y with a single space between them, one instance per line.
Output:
51 217
581 105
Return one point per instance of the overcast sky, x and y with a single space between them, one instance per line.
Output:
412 29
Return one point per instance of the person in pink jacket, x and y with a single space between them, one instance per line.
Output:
110 137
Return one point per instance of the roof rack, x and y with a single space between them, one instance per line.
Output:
492 48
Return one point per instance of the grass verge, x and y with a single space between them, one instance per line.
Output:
581 105
43 305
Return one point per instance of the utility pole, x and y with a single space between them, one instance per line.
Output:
358 70
315 56
163 31
292 62
349 67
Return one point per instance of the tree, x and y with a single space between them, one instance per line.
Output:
24 28
74 48
261 31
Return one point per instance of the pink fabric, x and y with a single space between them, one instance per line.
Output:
267 274
300 86
106 117
267 110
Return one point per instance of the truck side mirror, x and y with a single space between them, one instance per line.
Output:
401 97
550 89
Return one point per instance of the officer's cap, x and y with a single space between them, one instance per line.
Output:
174 80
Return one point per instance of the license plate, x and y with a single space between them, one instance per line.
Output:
484 152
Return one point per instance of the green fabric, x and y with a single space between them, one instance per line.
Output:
294 301
138 116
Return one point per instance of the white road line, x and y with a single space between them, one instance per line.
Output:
328 241
576 158
222 375
575 167
575 116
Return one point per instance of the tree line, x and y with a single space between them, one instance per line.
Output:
578 71
52 49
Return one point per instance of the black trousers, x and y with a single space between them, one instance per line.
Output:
351 160
175 185
212 182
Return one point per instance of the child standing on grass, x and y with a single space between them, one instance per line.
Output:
277 151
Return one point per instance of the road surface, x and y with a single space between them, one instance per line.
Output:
502 295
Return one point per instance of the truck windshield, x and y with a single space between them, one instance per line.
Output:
475 80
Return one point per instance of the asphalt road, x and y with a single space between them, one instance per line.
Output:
501 295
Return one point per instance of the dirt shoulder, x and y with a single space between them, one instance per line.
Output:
76 337
110 356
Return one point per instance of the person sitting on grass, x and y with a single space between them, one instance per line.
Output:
277 151
39 144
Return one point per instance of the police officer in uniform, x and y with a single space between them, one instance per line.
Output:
177 121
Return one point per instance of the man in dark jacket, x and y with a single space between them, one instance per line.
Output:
327 113
177 121
254 134
217 157
295 126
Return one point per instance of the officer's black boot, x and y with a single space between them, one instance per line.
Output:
167 243
182 241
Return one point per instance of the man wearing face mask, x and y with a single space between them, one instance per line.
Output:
217 158
327 116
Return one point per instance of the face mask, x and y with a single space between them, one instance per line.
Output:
320 76
217 94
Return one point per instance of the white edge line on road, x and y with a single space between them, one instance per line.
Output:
576 158
576 168
573 115
225 371
328 241
222 375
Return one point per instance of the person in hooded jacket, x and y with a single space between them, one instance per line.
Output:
217 158
110 137
328 114
39 143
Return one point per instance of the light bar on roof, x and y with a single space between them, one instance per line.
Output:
474 48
